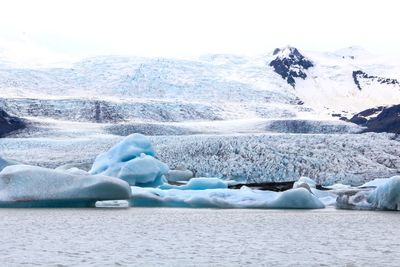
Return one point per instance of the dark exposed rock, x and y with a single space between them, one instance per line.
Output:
310 127
290 64
358 75
9 123
379 119
277 187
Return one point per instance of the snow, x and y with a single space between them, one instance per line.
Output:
132 160
224 198
31 186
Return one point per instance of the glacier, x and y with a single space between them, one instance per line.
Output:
23 186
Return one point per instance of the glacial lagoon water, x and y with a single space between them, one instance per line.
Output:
198 237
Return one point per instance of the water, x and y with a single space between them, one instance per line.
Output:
198 237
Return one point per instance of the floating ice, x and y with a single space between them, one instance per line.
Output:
129 148
386 196
305 180
5 162
326 197
133 161
225 198
179 175
31 186
198 184
337 186
376 182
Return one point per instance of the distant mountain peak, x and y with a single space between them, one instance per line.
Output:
289 63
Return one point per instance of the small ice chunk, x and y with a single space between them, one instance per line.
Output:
311 183
179 175
198 184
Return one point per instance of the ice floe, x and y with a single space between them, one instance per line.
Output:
31 186
385 196
225 198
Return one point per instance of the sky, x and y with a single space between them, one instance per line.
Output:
48 31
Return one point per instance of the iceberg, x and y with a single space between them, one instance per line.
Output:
23 186
245 197
375 183
386 196
305 180
179 175
132 160
198 184
6 162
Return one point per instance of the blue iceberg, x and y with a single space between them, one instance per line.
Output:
23 186
132 160
384 195
299 198
198 184
6 162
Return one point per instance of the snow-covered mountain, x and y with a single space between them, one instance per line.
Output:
285 84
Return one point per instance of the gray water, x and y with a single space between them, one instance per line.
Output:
198 237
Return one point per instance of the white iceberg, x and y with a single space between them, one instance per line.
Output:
305 180
132 160
31 186
225 198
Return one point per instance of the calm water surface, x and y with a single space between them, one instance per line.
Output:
198 237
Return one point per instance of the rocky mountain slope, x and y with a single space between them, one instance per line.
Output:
379 119
9 123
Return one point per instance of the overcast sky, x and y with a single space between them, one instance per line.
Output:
49 30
